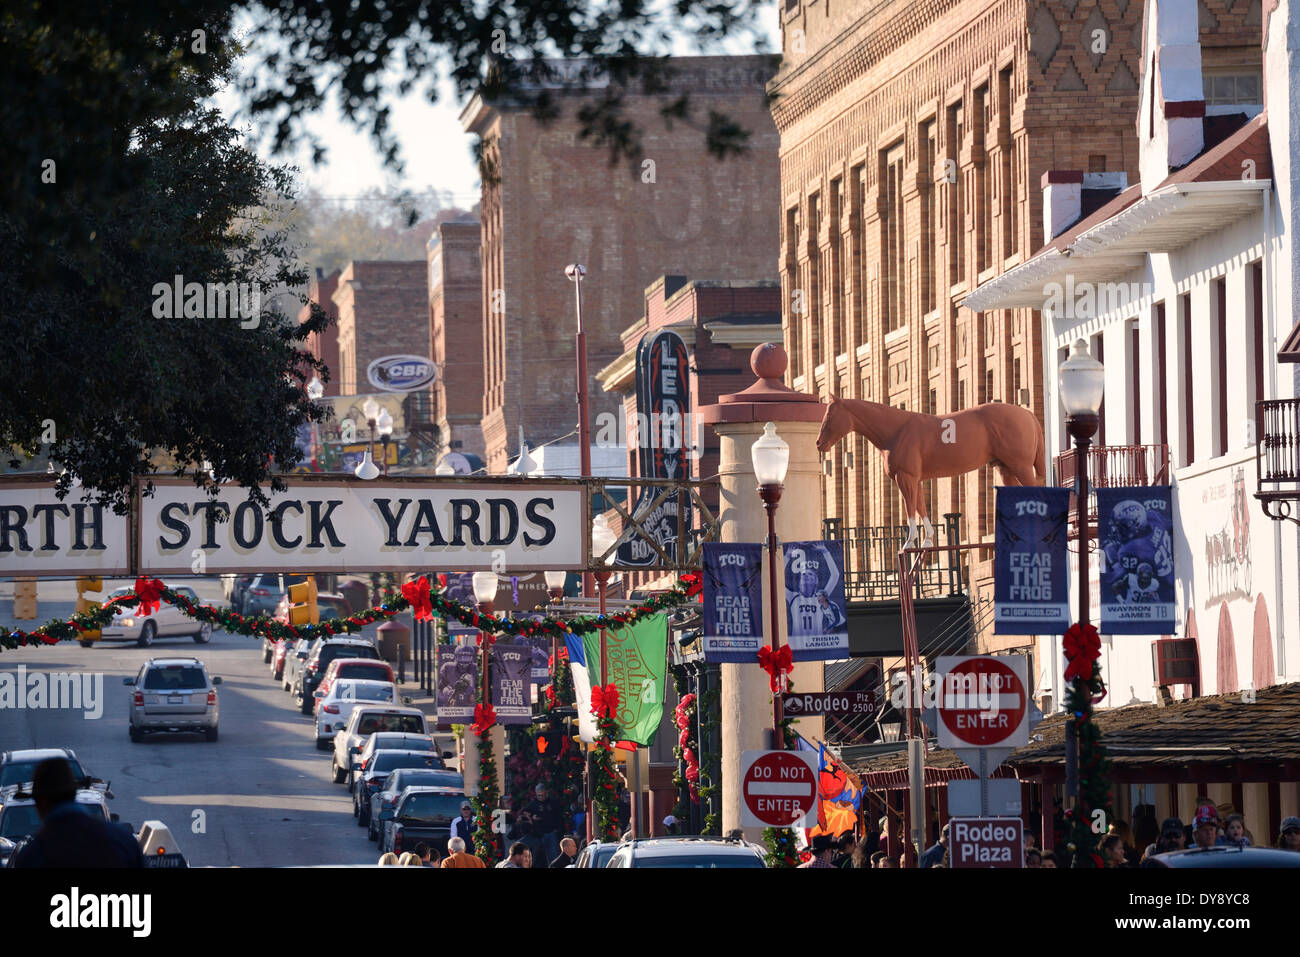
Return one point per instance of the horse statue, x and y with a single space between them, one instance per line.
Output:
916 446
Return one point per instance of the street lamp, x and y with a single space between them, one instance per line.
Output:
771 457
385 426
444 468
575 273
314 388
314 392
555 584
485 594
367 469
1081 381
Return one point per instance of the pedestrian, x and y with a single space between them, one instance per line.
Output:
1146 831
520 856
525 831
568 853
463 826
1112 851
388 859
1173 837
1288 835
1205 826
456 856
823 846
421 850
409 859
843 857
69 837
934 854
862 852
881 859
1125 833
670 825
735 834
1033 857
1234 831
1048 859
547 821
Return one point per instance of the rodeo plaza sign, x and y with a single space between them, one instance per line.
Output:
332 524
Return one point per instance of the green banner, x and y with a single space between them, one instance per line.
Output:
638 662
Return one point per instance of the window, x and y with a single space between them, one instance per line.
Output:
835 279
1007 188
1231 89
988 385
795 304
1135 382
813 300
1016 383
894 262
1097 349
1219 357
1256 342
1061 356
983 183
929 217
1185 351
1158 365
956 199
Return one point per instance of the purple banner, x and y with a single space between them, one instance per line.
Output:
733 601
541 672
512 683
457 684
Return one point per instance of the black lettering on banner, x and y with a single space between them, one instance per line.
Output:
237 526
277 524
495 507
177 525
541 522
95 526
210 520
425 521
323 523
13 521
470 521
49 511
391 520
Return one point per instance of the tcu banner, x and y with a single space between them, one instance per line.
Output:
817 625
1137 577
1030 593
457 684
512 682
733 601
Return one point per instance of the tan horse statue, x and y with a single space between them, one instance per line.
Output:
917 447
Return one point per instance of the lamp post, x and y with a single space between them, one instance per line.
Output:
444 468
367 469
385 425
1081 381
314 392
602 540
576 272
771 456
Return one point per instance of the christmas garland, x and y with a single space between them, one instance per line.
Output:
604 777
687 773
781 849
416 596
707 720
487 843
1082 650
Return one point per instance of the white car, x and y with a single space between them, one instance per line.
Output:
336 705
19 819
362 723
166 622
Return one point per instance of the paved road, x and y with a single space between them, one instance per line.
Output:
263 788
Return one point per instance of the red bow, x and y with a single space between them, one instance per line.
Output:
694 584
775 664
1082 648
484 717
417 595
149 592
604 701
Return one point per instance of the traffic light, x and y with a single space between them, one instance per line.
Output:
88 583
549 742
25 599
302 603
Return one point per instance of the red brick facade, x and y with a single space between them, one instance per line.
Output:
456 332
325 345
914 134
558 201
383 310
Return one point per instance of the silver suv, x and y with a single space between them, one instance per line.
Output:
173 694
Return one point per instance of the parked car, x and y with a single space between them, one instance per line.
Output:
335 707
596 854
16 767
361 725
238 588
384 801
375 770
369 669
264 592
290 659
173 694
325 650
422 814
19 819
1225 855
687 852
167 621
390 741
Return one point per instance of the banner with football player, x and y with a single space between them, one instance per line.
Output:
1030 569
817 624
458 689
732 609
1134 530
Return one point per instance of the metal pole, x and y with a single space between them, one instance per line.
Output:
771 494
1082 428
575 273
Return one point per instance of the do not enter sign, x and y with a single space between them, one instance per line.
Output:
982 702
779 788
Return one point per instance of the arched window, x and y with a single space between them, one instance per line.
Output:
1262 670
1226 655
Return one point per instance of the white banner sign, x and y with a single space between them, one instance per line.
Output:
361 527
43 537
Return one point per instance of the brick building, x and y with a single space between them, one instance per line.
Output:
721 321
456 333
381 308
557 199
914 135
325 345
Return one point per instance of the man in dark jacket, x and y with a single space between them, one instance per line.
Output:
463 827
69 837
547 821
934 854
568 853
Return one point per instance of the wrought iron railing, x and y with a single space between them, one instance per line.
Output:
1277 457
871 560
1115 466
640 521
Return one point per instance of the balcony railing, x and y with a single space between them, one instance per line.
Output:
871 560
1277 457
1115 466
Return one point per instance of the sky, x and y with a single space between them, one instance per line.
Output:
436 151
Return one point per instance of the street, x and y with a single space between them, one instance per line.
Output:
263 790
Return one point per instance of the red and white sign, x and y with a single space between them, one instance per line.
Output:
982 702
779 788
986 842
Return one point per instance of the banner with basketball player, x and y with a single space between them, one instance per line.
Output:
817 624
732 610
1134 530
1030 568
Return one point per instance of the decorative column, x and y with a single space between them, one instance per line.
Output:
739 419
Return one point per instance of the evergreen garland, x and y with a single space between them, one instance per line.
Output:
604 781
487 843
1093 770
